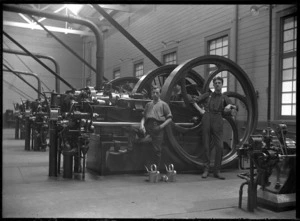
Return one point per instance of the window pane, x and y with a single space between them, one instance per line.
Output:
170 58
287 86
288 35
288 23
225 51
289 69
225 41
294 110
287 63
219 47
287 74
287 98
294 98
219 51
288 46
286 110
294 85
219 43
224 74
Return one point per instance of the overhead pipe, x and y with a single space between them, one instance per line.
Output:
85 22
17 74
57 68
38 60
127 35
66 46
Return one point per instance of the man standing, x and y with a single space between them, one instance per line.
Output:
157 115
215 104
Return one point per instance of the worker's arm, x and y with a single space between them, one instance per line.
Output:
201 110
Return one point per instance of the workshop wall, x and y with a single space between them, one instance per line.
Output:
187 28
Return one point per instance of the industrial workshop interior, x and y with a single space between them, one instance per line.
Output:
149 111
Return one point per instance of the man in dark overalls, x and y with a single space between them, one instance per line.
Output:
215 104
157 115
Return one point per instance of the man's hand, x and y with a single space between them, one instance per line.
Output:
201 110
227 108
157 128
143 129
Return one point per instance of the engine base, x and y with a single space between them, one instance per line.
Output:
276 202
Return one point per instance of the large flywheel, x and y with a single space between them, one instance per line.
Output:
186 141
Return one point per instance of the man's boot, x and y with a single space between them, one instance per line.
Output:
205 173
217 175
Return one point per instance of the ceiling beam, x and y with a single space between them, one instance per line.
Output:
51 28
33 6
56 11
25 18
123 8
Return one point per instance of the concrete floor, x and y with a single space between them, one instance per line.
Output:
28 192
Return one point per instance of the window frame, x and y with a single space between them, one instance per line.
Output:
169 51
134 68
279 63
118 69
206 49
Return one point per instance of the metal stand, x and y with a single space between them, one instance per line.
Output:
17 127
68 164
27 133
53 148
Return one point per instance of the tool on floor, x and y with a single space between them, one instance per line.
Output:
171 173
153 173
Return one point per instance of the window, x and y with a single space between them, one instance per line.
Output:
117 73
288 65
170 58
139 69
219 46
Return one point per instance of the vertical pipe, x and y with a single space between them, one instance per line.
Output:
83 78
17 127
270 66
52 148
27 133
251 186
235 39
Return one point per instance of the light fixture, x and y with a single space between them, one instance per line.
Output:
165 43
254 10
74 8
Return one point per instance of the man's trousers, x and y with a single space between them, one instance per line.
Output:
212 131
